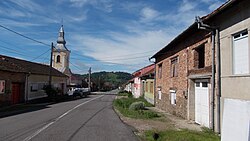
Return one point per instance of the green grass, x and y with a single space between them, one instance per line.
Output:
182 135
123 106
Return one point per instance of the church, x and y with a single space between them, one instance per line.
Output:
61 56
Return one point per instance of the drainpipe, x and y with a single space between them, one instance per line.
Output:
203 26
26 86
218 80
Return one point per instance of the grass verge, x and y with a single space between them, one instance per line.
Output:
122 105
182 135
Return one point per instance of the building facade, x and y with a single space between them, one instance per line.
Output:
21 80
184 77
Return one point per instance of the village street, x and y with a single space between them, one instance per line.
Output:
91 118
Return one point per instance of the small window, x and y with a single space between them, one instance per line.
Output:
201 56
204 84
2 86
160 70
151 87
173 97
34 87
197 84
58 59
174 67
159 94
146 86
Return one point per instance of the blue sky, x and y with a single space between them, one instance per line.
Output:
107 35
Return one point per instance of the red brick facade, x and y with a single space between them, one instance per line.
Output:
185 48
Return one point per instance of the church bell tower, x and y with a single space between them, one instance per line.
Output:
61 55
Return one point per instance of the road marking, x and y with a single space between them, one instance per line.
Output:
58 118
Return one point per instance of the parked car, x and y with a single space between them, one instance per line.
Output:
76 91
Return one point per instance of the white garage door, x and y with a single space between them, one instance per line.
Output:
202 103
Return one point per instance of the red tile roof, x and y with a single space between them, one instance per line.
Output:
17 65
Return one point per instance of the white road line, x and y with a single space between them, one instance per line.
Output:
58 118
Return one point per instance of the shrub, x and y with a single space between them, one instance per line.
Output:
137 106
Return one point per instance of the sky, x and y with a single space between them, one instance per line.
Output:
106 35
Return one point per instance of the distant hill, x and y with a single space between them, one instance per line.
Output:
105 81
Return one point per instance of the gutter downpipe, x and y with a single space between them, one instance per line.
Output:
203 26
213 78
218 80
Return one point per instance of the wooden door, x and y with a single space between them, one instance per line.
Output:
16 93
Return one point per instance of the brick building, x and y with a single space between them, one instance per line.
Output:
183 76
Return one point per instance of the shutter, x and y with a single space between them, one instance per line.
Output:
241 55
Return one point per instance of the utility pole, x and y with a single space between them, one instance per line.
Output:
89 84
50 66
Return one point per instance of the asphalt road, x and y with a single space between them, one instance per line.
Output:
87 119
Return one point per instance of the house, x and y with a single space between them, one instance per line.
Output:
184 77
21 80
137 88
232 23
128 85
148 85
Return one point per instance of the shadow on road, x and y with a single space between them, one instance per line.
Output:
34 105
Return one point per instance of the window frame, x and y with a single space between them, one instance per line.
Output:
58 59
160 70
172 94
2 83
174 66
233 39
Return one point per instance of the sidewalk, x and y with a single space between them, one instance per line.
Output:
178 122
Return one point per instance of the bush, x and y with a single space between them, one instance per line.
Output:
137 106
50 91
123 104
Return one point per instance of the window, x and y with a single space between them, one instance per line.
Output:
2 86
160 70
174 67
159 93
146 86
173 97
201 56
204 84
34 87
151 90
58 59
240 53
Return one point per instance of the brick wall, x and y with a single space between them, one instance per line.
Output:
187 64
5 98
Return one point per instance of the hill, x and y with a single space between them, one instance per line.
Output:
105 81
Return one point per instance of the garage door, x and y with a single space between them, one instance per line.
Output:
202 103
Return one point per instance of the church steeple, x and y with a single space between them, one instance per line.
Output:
61 54
60 40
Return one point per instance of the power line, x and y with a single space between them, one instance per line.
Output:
24 35
40 55
121 56
131 58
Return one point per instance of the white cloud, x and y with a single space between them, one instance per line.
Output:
186 6
121 45
79 3
148 14
215 5
104 5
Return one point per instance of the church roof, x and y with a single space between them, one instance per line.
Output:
61 41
